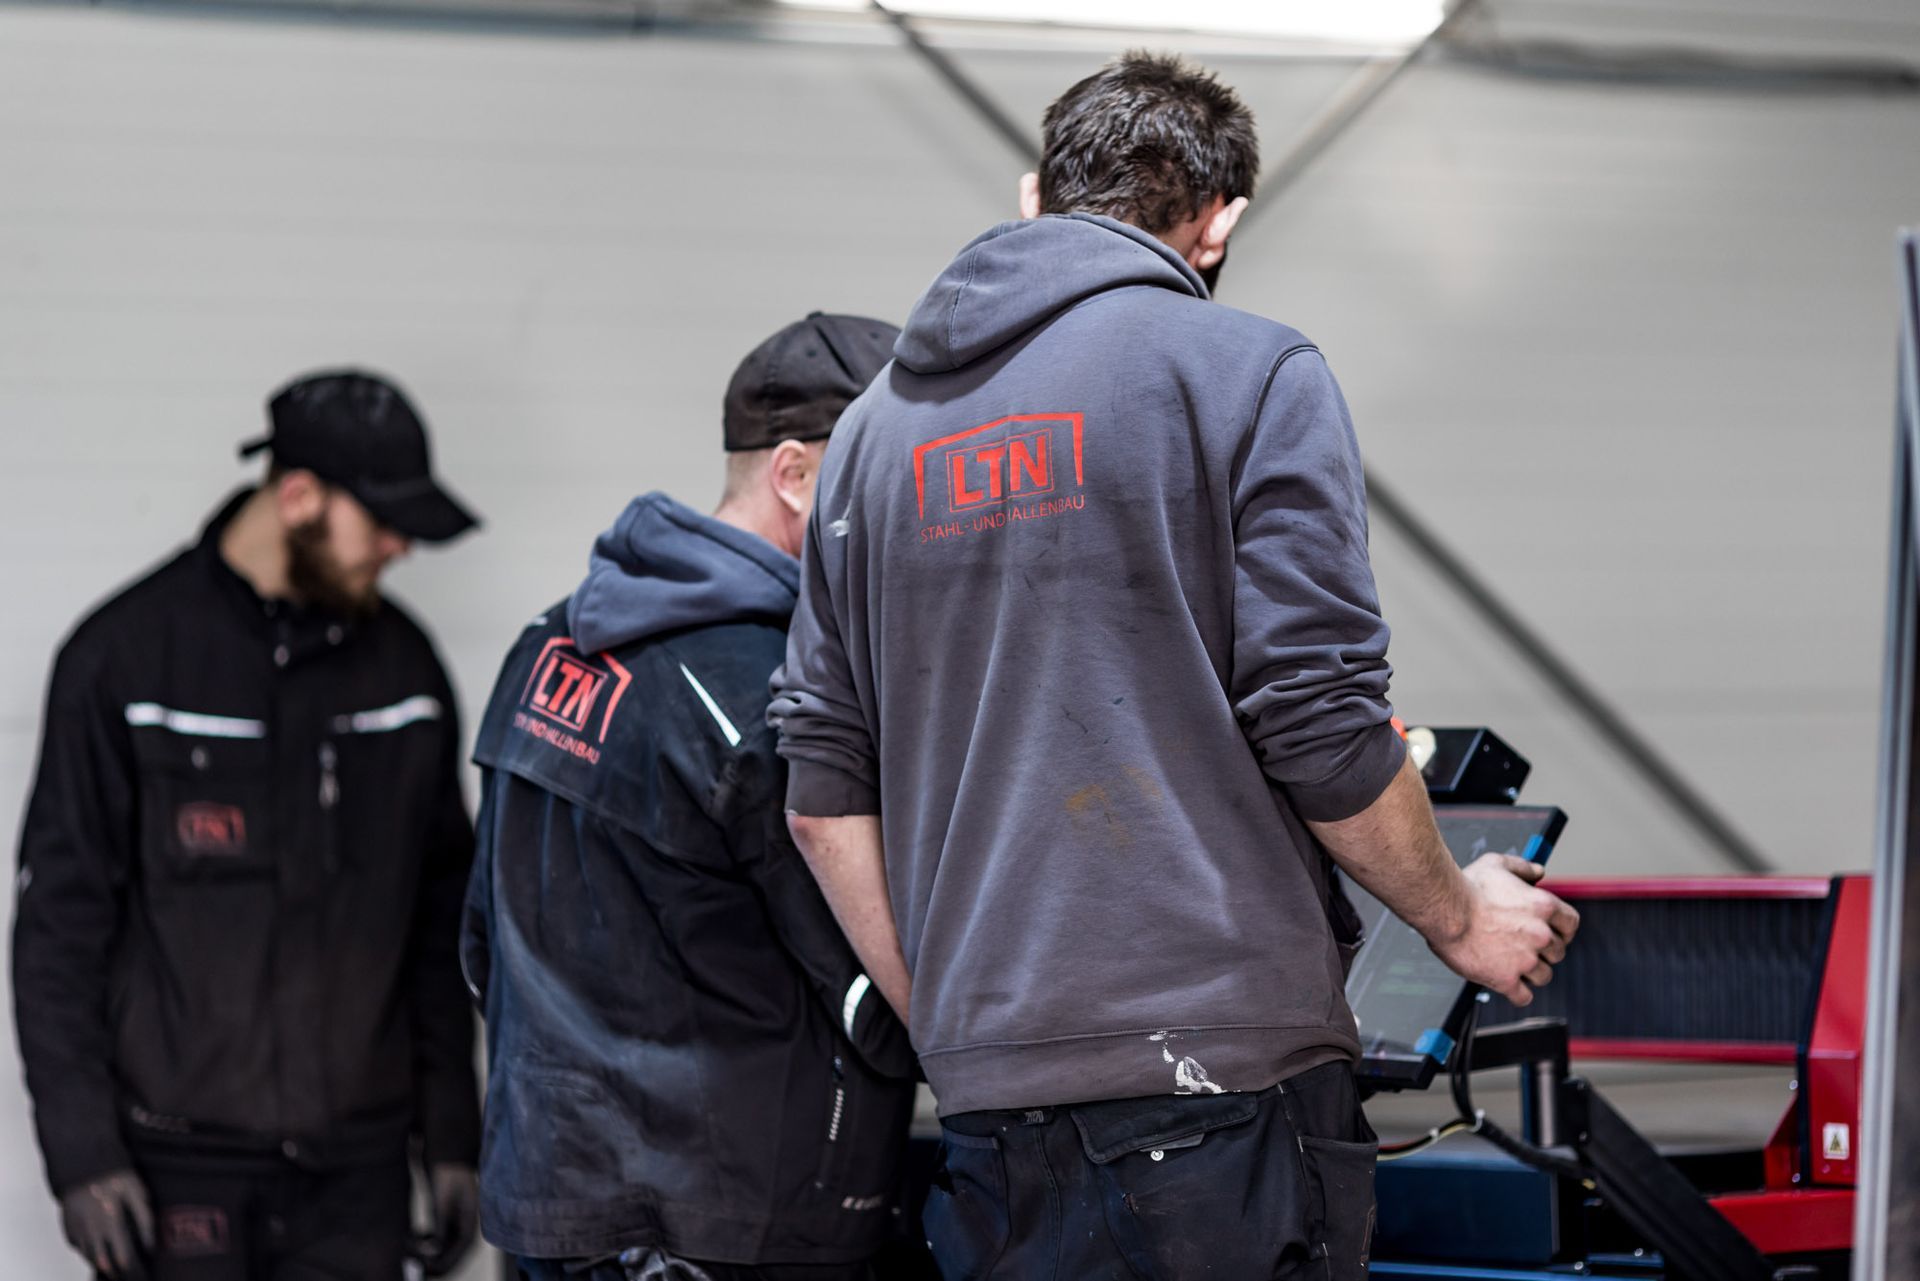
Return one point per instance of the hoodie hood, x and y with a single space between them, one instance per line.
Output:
1023 273
664 566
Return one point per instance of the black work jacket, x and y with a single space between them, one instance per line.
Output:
682 1048
240 882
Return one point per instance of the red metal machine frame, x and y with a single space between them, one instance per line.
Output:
1807 1203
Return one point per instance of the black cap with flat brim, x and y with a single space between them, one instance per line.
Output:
794 385
420 509
358 431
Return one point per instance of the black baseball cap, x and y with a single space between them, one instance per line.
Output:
794 385
357 430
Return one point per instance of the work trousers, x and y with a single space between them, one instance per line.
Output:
1231 1187
279 1223
655 1265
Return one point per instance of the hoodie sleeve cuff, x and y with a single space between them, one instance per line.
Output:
1368 762
821 791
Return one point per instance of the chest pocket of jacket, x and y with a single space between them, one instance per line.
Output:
378 780
205 806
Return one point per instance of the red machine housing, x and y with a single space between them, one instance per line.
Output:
1806 1205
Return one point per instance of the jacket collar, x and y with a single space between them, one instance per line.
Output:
302 628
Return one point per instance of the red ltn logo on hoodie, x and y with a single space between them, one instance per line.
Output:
1004 463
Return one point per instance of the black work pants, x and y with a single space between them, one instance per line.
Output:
279 1223
653 1265
1277 1184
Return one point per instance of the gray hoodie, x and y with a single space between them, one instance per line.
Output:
1086 617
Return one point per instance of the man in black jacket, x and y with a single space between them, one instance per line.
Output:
235 970
691 1079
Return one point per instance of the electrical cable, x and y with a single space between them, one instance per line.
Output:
1396 1151
1477 1120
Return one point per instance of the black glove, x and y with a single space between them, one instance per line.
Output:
456 1219
104 1219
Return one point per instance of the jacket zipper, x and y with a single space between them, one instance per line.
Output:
329 797
826 1170
839 1100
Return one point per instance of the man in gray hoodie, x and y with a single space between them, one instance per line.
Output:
1085 694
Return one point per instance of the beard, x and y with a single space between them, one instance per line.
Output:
316 577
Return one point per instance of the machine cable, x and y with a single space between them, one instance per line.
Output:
1477 1121
1395 1151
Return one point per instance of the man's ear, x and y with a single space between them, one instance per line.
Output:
300 496
790 473
1029 195
1212 245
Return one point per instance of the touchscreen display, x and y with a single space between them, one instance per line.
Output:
1398 989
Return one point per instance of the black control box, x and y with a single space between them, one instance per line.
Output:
1467 766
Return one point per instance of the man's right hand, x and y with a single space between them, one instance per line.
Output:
104 1219
1515 933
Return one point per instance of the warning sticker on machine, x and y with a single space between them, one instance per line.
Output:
1837 1142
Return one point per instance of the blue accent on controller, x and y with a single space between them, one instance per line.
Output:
1435 1044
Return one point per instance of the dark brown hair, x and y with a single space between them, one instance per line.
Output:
1148 139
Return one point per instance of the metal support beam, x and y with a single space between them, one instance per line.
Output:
989 111
1342 111
1887 1214
1610 724
1695 1240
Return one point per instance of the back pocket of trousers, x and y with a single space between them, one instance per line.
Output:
1340 1200
1193 1186
967 1218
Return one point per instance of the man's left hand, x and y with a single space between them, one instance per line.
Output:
456 1219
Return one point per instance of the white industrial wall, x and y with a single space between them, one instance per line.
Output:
1629 348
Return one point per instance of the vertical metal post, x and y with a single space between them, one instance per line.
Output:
1532 1105
1547 1075
1540 1100
1887 1213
